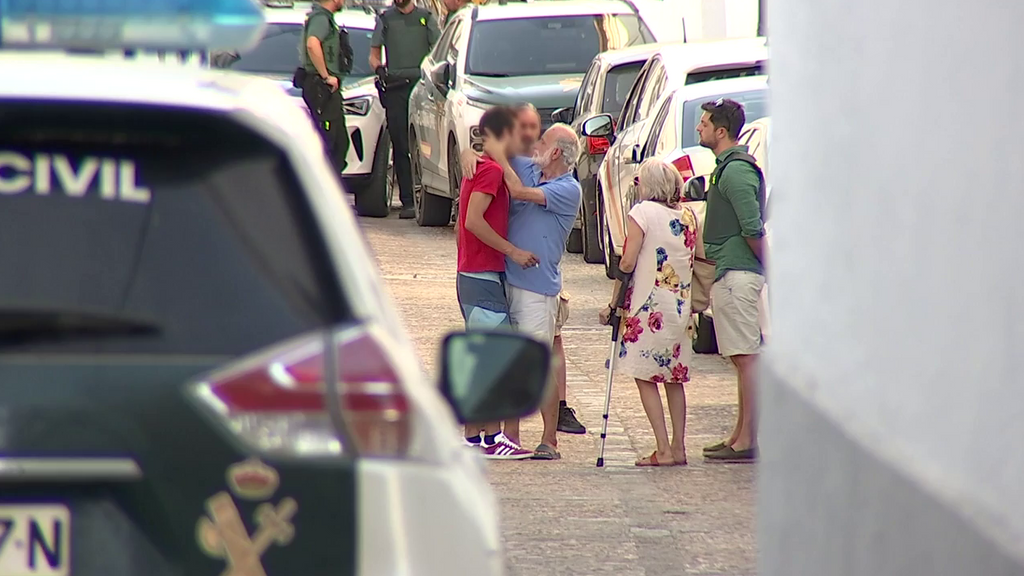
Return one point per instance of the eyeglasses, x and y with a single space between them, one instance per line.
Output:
636 181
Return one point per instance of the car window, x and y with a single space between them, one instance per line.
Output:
629 109
444 44
654 138
617 83
278 52
755 106
549 45
453 49
181 221
652 91
585 97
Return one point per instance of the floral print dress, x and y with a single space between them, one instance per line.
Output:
654 343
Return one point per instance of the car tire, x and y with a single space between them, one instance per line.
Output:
454 177
590 235
575 243
611 260
374 199
431 210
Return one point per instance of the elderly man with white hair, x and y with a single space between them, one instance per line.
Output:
545 200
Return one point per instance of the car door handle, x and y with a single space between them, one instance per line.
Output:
69 469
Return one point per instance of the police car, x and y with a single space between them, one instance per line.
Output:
200 372
369 172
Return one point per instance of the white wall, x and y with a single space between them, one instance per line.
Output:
705 19
897 271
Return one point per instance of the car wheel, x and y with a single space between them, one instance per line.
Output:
374 200
611 261
454 177
591 231
431 210
575 243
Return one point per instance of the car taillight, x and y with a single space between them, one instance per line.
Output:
597 145
684 166
276 400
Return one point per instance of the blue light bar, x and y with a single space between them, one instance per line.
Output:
145 24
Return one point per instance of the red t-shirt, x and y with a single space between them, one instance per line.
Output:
474 255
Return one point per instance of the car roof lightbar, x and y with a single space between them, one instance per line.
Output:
131 24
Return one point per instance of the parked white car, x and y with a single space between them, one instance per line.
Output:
472 68
679 73
368 174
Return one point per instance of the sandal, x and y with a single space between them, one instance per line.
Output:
545 452
652 461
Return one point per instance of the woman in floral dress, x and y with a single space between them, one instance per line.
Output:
661 239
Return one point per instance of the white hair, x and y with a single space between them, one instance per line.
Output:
568 143
660 181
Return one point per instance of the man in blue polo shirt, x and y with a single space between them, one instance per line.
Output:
545 201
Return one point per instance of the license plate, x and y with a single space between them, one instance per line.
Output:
35 540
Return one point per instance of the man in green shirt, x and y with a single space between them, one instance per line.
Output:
734 239
408 33
326 56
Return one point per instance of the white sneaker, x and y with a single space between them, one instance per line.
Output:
505 449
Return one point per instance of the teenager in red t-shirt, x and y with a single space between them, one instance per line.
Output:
480 236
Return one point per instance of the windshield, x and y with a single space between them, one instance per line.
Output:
616 87
755 106
555 45
278 52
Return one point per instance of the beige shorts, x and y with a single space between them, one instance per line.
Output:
734 303
533 313
563 312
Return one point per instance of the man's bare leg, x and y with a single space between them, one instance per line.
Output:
549 413
512 430
558 350
739 406
746 366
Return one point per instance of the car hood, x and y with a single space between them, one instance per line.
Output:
547 91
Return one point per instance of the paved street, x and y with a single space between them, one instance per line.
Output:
569 517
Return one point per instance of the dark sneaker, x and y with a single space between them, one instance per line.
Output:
568 423
407 213
728 455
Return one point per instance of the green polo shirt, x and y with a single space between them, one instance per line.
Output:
320 23
407 39
733 213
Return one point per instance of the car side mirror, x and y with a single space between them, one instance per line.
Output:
600 126
441 77
694 189
492 376
563 115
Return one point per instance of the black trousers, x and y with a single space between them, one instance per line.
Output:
328 113
396 102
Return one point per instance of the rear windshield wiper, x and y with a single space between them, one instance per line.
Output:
23 326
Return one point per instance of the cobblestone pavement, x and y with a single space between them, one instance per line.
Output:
568 516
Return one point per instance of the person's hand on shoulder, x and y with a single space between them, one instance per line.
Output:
468 161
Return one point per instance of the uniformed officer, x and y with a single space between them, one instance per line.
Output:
408 32
326 54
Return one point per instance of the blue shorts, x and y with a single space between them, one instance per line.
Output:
482 299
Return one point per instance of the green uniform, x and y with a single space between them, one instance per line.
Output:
321 25
734 212
407 38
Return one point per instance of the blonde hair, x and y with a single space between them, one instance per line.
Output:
660 182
